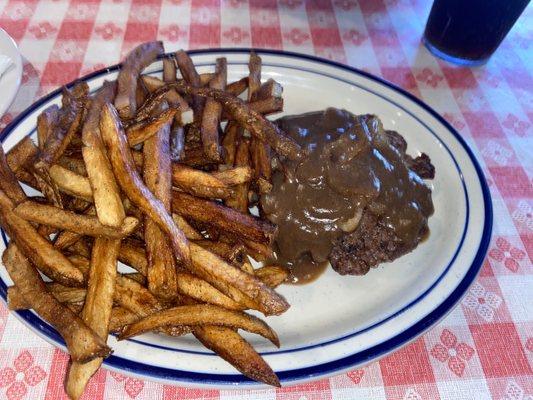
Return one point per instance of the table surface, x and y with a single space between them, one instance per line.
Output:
484 348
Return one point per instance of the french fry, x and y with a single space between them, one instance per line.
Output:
188 230
224 218
96 311
152 83
177 141
229 252
21 154
45 124
63 294
211 115
199 183
66 239
141 132
39 250
254 76
258 251
232 133
195 157
190 75
137 60
120 317
104 187
229 345
260 156
249 119
238 87
201 314
74 164
200 290
157 177
169 70
234 176
216 271
205 78
266 106
8 181
70 221
134 256
242 159
71 183
132 184
83 344
135 297
272 275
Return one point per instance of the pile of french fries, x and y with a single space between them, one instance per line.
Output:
158 174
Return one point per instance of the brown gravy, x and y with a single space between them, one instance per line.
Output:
351 166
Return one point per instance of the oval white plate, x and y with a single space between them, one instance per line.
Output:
335 323
10 80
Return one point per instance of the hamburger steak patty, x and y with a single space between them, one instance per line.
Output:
373 242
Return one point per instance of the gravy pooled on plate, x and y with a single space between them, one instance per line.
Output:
354 167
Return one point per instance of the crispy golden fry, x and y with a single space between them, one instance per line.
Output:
224 218
201 314
132 184
140 132
202 291
195 157
84 224
254 76
238 87
177 141
234 176
188 230
63 294
80 248
216 271
260 155
105 190
249 119
211 115
66 239
152 83
21 154
227 251
199 183
232 133
135 297
258 251
270 88
137 60
246 266
61 135
190 75
205 78
40 251
242 159
157 177
272 275
267 106
8 181
120 317
96 311
229 345
134 256
67 125
83 344
137 277
169 70
71 183
74 164
45 124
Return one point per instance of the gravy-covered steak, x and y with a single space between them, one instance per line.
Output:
357 200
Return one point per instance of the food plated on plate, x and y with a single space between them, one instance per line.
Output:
164 175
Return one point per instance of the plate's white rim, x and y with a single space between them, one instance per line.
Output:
187 378
16 69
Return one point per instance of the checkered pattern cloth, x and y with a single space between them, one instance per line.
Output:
484 348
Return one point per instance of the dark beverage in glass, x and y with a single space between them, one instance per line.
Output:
468 31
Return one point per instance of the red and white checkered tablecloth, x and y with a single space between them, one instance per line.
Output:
484 348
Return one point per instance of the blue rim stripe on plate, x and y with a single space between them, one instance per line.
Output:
325 368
